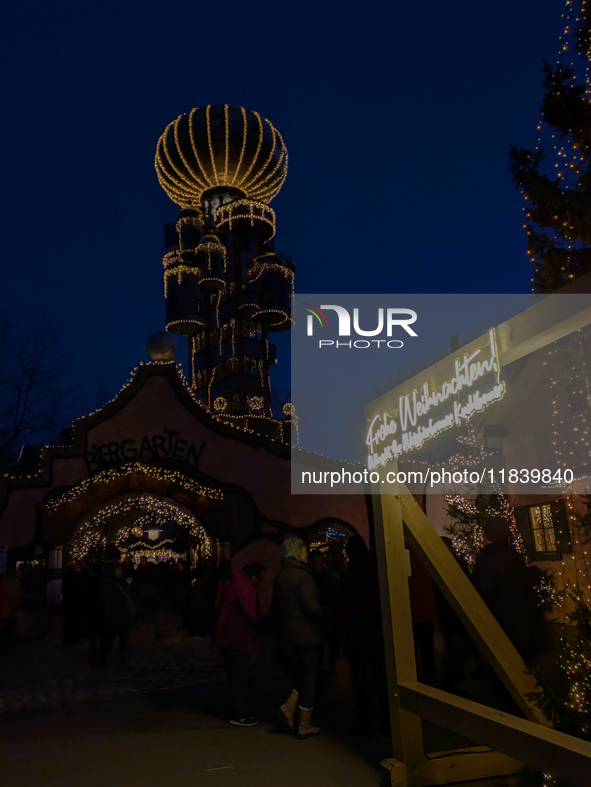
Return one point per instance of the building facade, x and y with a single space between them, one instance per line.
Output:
198 466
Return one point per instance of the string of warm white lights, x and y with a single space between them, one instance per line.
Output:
91 533
241 209
553 227
134 468
468 512
261 180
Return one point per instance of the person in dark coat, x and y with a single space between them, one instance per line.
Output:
182 593
503 581
235 630
423 606
326 582
72 601
116 607
461 657
302 625
358 626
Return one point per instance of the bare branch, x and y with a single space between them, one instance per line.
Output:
35 399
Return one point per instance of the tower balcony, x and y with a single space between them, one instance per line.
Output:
245 212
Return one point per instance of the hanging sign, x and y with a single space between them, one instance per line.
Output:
442 397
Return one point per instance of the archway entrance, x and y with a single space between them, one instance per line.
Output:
143 524
330 537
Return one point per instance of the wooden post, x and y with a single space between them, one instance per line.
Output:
407 736
396 515
399 514
561 755
480 622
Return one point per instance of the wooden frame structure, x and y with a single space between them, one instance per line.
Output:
512 741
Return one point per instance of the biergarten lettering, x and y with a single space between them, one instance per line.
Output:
166 445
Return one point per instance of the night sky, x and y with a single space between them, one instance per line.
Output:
397 118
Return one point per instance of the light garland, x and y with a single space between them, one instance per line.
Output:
569 170
178 272
134 468
258 150
257 211
466 515
90 534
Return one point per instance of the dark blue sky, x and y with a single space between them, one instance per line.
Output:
397 117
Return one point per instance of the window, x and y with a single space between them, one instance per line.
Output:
544 528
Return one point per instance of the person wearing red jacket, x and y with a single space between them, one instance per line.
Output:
236 625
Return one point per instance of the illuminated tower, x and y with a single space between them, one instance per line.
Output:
224 286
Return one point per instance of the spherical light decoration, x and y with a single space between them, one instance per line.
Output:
255 403
220 147
161 346
220 405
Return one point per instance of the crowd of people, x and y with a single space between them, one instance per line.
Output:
325 610
325 607
104 599
322 606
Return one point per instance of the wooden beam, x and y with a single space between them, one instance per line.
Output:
447 767
480 622
543 323
550 319
407 735
542 748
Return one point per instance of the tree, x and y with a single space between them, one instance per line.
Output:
558 199
35 399
467 514
102 395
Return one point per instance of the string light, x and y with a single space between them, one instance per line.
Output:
261 181
91 533
555 244
246 209
130 469
467 514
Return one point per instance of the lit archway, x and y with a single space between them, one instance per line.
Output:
330 534
125 521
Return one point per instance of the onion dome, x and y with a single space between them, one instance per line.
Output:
220 148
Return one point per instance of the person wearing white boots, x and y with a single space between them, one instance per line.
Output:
302 623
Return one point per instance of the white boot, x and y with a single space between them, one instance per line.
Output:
305 729
287 710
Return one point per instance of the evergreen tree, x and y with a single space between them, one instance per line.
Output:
558 199
468 513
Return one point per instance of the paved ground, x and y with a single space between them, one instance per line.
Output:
164 723
164 738
44 673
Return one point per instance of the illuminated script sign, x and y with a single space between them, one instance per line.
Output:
441 397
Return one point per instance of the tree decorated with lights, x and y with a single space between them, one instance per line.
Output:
555 177
467 513
570 709
583 520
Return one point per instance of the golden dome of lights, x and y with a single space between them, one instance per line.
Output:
220 148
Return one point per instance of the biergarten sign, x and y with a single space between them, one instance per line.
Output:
151 448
